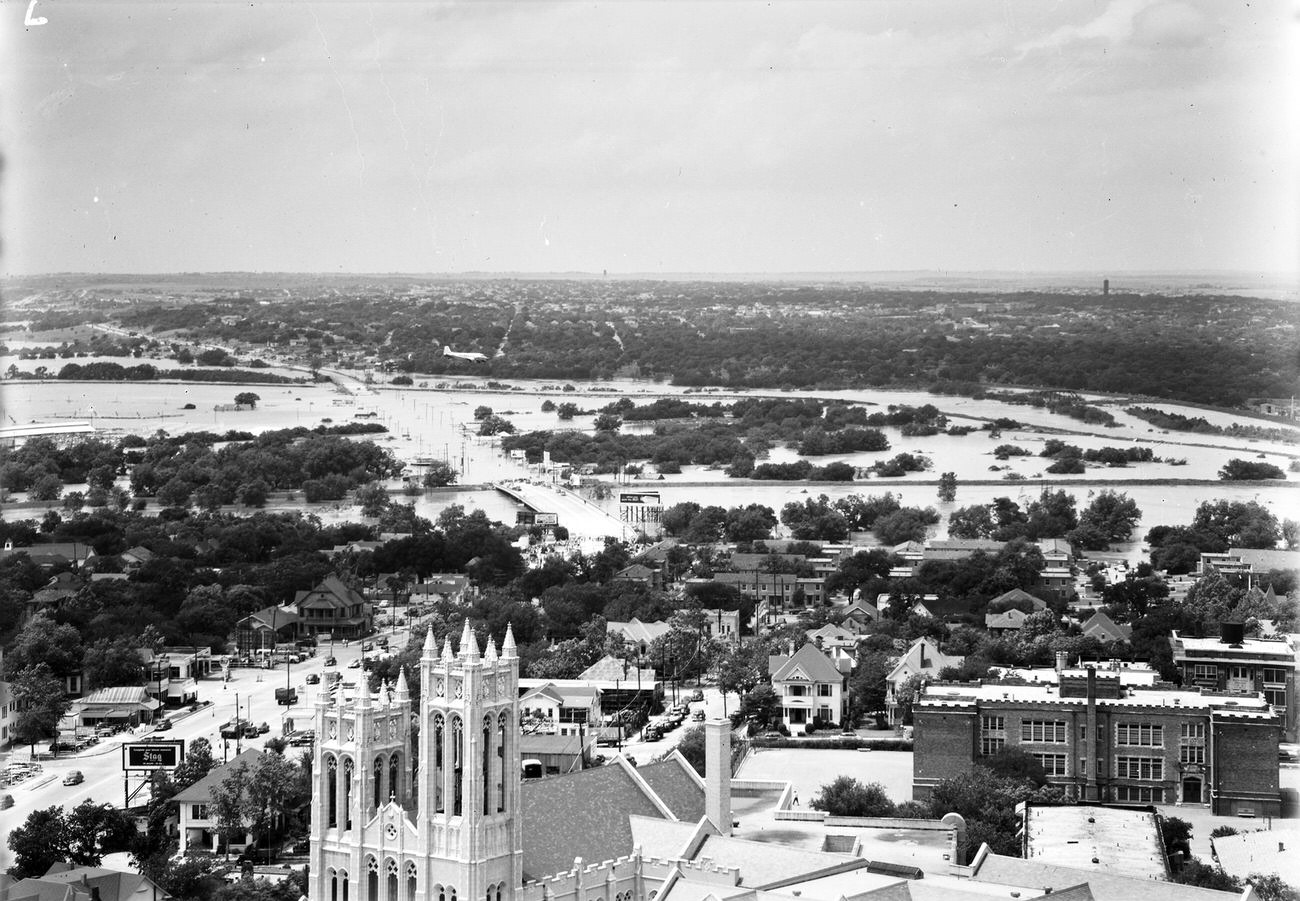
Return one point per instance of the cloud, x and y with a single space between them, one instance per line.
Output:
1114 26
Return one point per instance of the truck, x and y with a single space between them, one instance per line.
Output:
286 696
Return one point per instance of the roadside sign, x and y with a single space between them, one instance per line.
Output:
153 755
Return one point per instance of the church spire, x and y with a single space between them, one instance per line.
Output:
363 693
447 655
508 650
403 690
430 646
468 644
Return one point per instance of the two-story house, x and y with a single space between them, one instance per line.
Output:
812 688
198 826
923 658
332 608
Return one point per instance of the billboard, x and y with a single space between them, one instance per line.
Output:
640 497
641 508
548 519
153 755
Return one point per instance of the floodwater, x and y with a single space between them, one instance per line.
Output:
440 424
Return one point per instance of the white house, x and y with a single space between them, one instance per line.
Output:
198 820
560 709
811 686
922 658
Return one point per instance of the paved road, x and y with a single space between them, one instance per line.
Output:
582 518
252 689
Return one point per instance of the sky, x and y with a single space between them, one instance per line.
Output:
649 137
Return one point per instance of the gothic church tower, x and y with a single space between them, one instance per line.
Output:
421 804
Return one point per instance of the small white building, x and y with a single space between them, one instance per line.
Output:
198 820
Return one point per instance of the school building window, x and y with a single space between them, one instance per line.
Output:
1043 731
1142 735
1148 768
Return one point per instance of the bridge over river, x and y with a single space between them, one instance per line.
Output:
580 516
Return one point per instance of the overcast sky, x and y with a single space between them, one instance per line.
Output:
639 136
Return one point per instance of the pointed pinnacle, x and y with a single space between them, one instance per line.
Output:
430 644
447 655
508 649
468 644
363 692
402 688
491 652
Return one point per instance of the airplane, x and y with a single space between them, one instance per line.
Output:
461 355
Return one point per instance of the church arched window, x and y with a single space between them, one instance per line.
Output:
439 774
394 786
457 766
379 781
372 879
410 880
503 738
347 792
331 790
487 767
334 886
390 871
343 883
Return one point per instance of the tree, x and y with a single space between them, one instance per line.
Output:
847 797
988 802
1014 763
496 425
867 685
1112 513
906 524
1221 524
372 499
482 412
1176 835
198 763
228 805
1271 887
247 398
43 642
567 410
691 746
175 493
1206 876
47 488
948 487
112 661
1236 470
95 830
760 704
39 843
607 422
41 703
971 522
439 475
1211 599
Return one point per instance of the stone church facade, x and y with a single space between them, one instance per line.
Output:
421 801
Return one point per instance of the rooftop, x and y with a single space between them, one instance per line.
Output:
1267 851
969 693
1114 840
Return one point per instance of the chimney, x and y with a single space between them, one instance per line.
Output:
717 774
1232 633
1062 660
921 649
1090 739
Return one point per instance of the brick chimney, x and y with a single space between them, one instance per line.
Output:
717 774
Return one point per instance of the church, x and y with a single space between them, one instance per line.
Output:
424 801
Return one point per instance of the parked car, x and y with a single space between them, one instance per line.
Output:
6 801
330 661
313 679
74 778
354 664
303 738
162 725
251 731
697 695
652 733
697 716
263 728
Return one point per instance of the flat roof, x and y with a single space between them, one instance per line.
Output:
1113 840
970 693
1279 647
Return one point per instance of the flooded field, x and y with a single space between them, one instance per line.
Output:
426 423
